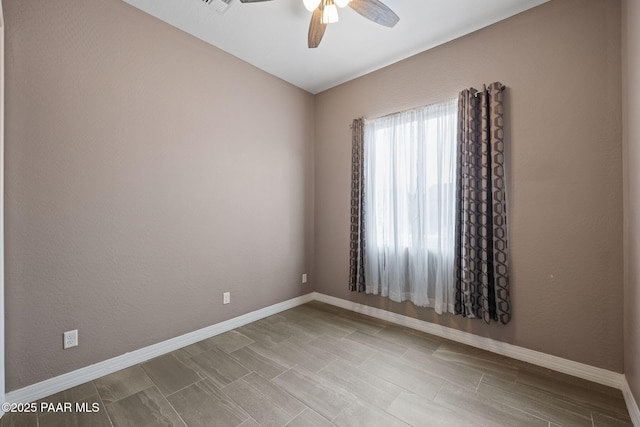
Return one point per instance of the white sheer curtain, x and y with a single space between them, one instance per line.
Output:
409 174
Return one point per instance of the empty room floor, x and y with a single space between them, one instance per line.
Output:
318 365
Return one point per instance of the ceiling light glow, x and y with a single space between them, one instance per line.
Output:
311 5
330 13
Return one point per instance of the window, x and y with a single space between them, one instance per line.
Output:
409 174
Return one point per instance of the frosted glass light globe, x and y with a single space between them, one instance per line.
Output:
330 14
311 5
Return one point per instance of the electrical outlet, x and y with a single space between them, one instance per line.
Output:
226 297
304 278
70 339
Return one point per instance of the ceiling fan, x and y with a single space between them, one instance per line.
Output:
325 12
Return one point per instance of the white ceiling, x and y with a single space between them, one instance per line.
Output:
273 35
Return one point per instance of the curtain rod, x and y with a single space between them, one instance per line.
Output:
408 109
502 88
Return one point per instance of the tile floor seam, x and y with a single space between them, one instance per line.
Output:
369 356
306 407
175 410
250 371
104 406
444 383
298 414
343 409
479 382
403 353
37 419
529 413
179 390
281 373
325 367
393 416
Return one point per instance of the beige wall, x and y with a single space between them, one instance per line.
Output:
146 173
631 147
561 64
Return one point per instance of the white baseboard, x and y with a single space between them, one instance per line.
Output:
632 406
62 382
80 376
581 370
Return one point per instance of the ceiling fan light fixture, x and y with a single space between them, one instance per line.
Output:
311 5
342 3
330 13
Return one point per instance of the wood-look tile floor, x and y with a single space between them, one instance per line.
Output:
318 365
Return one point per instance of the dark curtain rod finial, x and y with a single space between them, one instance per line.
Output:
484 89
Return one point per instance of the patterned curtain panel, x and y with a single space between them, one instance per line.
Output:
481 250
356 252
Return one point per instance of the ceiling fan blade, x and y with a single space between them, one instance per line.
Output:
316 29
375 11
252 1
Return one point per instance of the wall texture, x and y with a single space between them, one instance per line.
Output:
146 173
631 147
561 64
